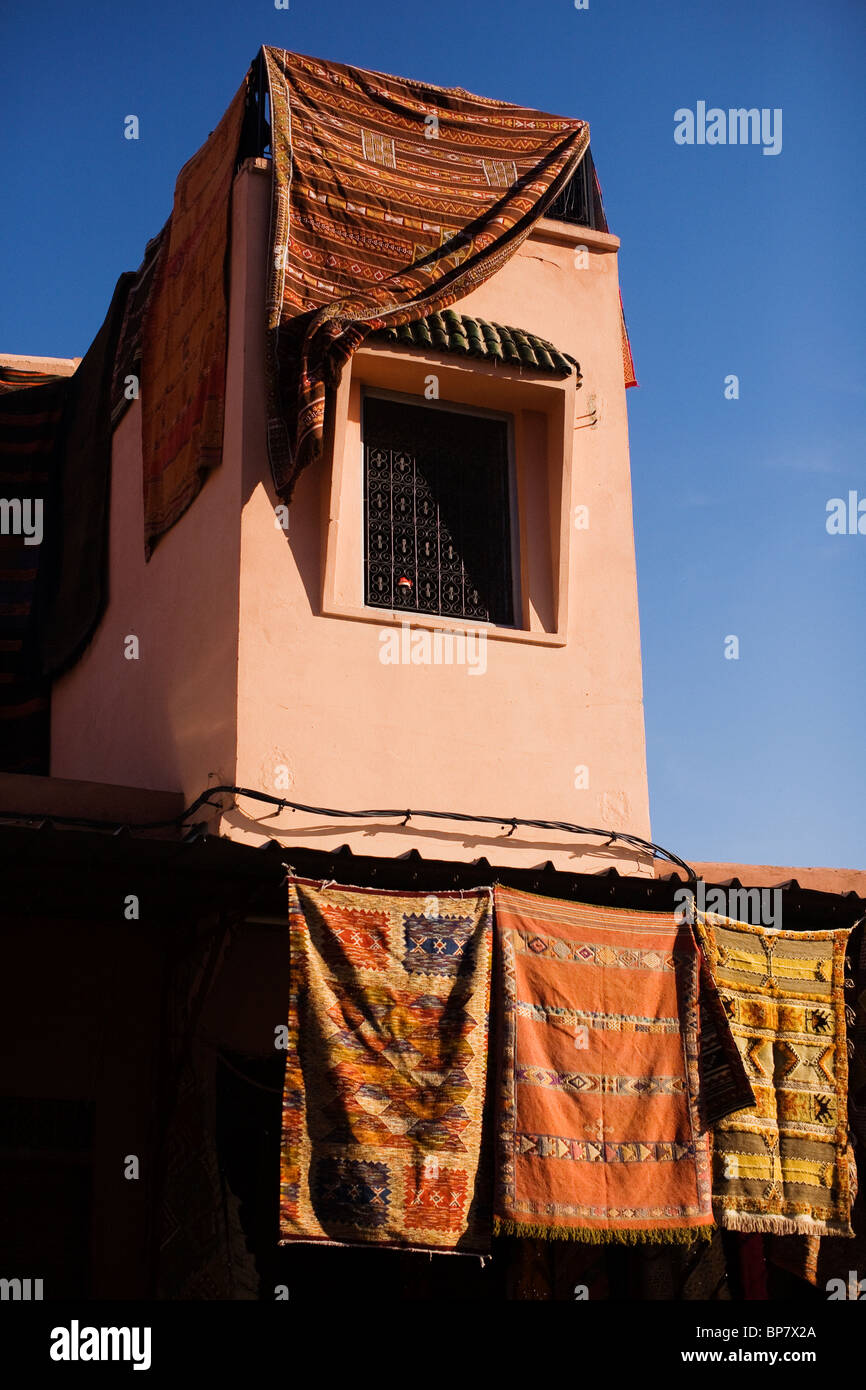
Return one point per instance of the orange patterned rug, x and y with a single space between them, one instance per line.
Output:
604 1111
385 1068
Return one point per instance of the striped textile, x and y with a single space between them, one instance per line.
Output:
74 576
30 431
603 1105
55 450
392 199
600 218
184 335
128 360
783 1166
16 379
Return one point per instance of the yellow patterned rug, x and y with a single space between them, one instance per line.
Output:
783 1165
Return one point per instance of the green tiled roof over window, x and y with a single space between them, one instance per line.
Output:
453 332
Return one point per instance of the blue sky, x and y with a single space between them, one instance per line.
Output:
732 262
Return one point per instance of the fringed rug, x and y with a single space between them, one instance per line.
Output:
385 1068
603 1123
832 1263
855 1014
783 1165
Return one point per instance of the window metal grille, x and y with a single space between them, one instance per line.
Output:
437 514
580 200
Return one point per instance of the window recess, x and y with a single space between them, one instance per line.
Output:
437 511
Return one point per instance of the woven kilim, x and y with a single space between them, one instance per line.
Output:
55 454
603 1123
17 379
126 377
818 1259
184 334
385 1068
73 583
392 199
856 1016
783 1165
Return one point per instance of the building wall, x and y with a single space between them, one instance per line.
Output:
323 721
168 719
318 717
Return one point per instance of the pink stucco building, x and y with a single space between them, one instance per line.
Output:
444 620
258 663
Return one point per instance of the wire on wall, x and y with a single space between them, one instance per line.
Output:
281 804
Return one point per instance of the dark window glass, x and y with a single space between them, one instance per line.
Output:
436 507
580 200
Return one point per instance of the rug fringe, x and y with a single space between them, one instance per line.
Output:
602 1235
752 1223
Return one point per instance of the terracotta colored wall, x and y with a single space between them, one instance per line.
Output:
318 709
168 720
318 717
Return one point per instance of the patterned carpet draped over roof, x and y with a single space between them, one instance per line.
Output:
604 1098
392 199
385 1068
783 1165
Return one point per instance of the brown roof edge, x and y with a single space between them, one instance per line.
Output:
50 366
45 797
819 880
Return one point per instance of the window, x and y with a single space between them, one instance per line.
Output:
580 200
437 511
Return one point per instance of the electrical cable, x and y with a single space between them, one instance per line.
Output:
283 804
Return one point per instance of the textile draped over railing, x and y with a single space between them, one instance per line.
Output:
606 1094
784 1164
385 1068
55 467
